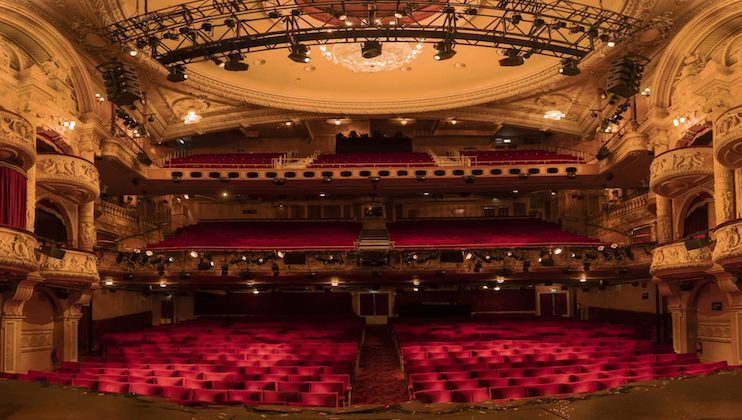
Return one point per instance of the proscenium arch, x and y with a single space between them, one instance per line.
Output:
43 40
717 21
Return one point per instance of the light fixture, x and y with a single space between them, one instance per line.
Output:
497 288
444 50
288 123
485 287
193 254
515 191
557 251
569 67
235 63
469 255
225 194
163 283
133 52
554 114
109 282
177 74
191 117
415 289
300 53
611 43
646 92
334 283
415 282
393 56
500 280
512 59
371 49
255 291
403 121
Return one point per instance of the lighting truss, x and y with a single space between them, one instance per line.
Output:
212 29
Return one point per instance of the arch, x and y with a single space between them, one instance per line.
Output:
43 37
56 210
40 313
691 197
706 30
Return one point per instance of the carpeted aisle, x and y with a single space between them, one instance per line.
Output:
380 379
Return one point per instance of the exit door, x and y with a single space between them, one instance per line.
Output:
553 304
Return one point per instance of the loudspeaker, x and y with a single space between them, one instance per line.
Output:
144 159
295 258
603 153
452 257
122 83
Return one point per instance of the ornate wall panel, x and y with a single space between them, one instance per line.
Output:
17 139
675 261
676 171
715 331
75 269
728 138
17 251
68 176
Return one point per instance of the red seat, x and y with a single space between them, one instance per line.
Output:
432 397
470 395
169 381
317 399
117 387
141 388
291 386
239 396
454 376
259 385
493 382
85 382
279 397
578 387
178 394
508 392
462 384
609 383
542 390
428 386
214 396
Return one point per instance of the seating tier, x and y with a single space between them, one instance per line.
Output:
224 160
513 157
359 160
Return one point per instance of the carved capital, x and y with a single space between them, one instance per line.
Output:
23 292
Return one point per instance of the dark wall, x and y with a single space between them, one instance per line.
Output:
276 304
119 324
509 300
644 322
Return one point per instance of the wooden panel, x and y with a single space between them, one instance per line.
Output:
367 304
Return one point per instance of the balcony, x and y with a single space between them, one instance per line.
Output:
728 250
76 268
673 261
69 176
17 251
728 138
675 171
17 139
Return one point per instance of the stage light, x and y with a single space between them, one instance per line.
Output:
444 51
497 288
193 254
177 74
557 251
569 67
163 283
235 63
512 59
300 53
371 49
280 254
469 255
256 292
415 282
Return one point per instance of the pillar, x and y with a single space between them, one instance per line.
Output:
664 219
728 284
11 324
66 325
684 324
31 198
723 193
86 212
738 188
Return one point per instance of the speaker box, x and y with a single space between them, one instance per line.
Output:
295 258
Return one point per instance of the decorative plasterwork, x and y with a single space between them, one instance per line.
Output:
728 250
728 138
77 267
69 176
17 251
17 139
37 340
715 331
673 172
675 261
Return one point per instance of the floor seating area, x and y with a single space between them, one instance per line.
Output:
359 160
470 362
264 235
213 362
514 157
478 233
224 160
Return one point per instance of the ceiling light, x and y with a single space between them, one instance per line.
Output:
133 52
497 288
109 282
225 194
255 291
415 282
163 283
300 53
557 251
512 59
193 254
403 121
569 68
334 283
415 289
583 279
485 287
515 191
611 44
444 50
177 73
235 63
554 114
191 117
371 49
288 123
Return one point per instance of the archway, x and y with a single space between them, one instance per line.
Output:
51 222
713 322
37 342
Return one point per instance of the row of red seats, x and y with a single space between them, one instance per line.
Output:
488 157
224 160
340 160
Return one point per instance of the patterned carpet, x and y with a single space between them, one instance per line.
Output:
380 379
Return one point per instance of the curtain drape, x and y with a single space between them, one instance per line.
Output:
12 197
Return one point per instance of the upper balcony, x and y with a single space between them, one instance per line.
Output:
675 171
17 139
728 249
75 268
17 251
674 261
69 176
728 138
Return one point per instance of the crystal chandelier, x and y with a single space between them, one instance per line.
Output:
393 56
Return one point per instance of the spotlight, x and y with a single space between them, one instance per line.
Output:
225 269
513 59
569 68
177 74
300 53
371 49
526 265
469 179
279 181
193 254
557 251
275 269
444 50
235 63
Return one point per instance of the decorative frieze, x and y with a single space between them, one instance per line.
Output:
17 139
17 251
728 249
675 261
69 176
720 331
728 138
674 172
75 268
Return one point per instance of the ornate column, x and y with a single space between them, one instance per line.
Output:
31 199
664 219
11 324
87 235
67 326
728 284
738 187
723 193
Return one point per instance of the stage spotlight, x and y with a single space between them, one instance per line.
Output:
225 269
557 251
193 254
299 53
371 49
279 181
512 59
444 50
526 265
177 73
469 179
569 67
235 63
276 271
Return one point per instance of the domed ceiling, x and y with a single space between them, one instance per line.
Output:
471 77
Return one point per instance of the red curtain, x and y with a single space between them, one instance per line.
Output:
12 197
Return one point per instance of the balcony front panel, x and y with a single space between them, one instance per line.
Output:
728 249
675 171
76 268
69 176
674 261
17 139
17 251
728 138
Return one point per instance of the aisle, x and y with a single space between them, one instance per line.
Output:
380 379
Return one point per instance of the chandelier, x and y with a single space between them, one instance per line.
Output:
393 56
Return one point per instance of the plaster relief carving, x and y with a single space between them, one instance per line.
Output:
678 170
75 266
70 176
17 251
675 260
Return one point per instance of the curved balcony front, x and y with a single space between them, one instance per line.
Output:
69 176
17 140
17 255
674 261
74 269
728 138
728 249
675 171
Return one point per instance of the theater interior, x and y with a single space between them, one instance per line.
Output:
370 209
